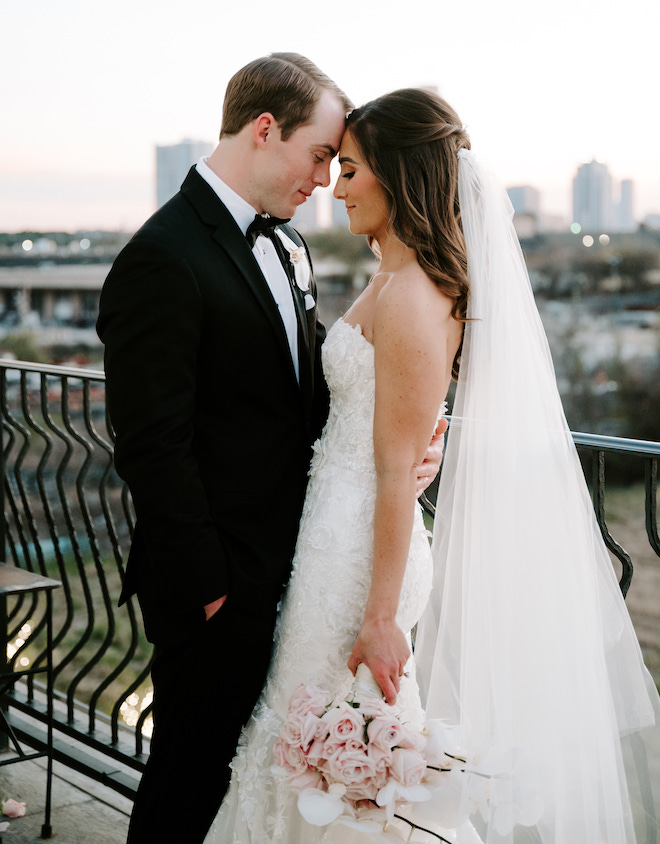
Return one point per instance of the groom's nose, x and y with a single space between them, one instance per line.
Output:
322 174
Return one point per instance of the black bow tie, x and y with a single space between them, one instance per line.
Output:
262 225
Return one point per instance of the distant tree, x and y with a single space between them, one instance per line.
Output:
639 399
634 264
22 344
339 243
595 267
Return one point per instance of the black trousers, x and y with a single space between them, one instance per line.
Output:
205 687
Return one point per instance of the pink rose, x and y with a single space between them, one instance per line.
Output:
318 753
291 729
408 766
301 730
308 698
356 771
332 747
311 728
13 809
381 756
354 745
412 739
380 778
290 757
343 723
384 732
307 779
367 791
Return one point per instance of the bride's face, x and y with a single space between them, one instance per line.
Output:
366 204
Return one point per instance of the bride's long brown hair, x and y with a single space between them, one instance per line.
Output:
410 139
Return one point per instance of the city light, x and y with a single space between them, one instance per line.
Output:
576 228
27 245
588 240
604 239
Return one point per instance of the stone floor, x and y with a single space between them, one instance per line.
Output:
83 812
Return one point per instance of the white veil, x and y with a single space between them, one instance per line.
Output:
526 644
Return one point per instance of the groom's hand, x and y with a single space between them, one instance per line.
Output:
430 466
211 609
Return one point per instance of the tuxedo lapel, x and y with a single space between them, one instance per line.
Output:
296 292
230 239
306 318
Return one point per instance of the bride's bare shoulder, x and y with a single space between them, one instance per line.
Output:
411 292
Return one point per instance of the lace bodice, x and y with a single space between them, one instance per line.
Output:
323 607
347 441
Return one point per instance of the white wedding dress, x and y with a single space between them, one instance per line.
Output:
322 611
323 607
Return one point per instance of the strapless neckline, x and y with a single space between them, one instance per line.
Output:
357 329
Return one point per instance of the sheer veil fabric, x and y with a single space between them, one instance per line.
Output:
526 642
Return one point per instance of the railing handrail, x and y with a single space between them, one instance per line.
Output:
52 369
600 442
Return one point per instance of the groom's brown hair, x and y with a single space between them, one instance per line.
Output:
285 84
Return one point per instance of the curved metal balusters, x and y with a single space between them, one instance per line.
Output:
24 609
66 515
93 658
107 599
598 498
599 446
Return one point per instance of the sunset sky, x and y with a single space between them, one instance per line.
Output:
89 87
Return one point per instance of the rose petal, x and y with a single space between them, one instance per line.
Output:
13 809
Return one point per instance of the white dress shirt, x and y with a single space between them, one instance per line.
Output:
265 253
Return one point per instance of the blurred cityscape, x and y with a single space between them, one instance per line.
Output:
596 279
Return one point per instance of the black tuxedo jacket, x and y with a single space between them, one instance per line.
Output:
213 432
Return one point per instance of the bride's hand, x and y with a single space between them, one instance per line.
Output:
384 648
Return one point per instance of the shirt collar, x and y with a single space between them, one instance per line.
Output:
242 212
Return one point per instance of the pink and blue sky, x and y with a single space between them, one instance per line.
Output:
89 87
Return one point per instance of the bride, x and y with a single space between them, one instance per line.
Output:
526 643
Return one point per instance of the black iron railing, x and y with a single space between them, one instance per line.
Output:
597 447
68 516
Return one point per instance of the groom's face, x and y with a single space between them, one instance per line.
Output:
291 169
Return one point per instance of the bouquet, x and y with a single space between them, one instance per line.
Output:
353 762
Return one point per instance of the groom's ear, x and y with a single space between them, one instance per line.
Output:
262 128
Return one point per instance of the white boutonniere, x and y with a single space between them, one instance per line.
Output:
298 258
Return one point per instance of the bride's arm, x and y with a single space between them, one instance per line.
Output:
412 375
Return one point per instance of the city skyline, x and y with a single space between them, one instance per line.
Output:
91 89
599 201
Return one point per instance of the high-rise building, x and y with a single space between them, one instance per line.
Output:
525 200
338 213
173 163
592 197
306 216
625 216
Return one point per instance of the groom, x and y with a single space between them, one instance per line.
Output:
215 391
